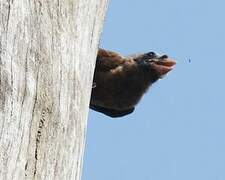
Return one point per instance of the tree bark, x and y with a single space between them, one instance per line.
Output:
47 57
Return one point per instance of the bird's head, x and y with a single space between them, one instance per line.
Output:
158 66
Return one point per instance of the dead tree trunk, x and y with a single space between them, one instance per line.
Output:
47 57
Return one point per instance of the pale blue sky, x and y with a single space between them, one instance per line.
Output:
177 131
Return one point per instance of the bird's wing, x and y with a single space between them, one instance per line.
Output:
108 60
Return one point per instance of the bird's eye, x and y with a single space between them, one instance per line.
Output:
151 54
164 57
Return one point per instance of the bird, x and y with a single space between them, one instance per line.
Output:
120 82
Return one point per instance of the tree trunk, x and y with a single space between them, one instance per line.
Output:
47 57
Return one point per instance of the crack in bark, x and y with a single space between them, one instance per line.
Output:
11 80
8 15
11 92
26 165
35 101
41 123
33 111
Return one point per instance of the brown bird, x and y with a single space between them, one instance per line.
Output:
120 82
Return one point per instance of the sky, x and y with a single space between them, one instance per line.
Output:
177 131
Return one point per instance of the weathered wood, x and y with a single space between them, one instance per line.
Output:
47 57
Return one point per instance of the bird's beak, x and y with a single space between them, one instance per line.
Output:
163 66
